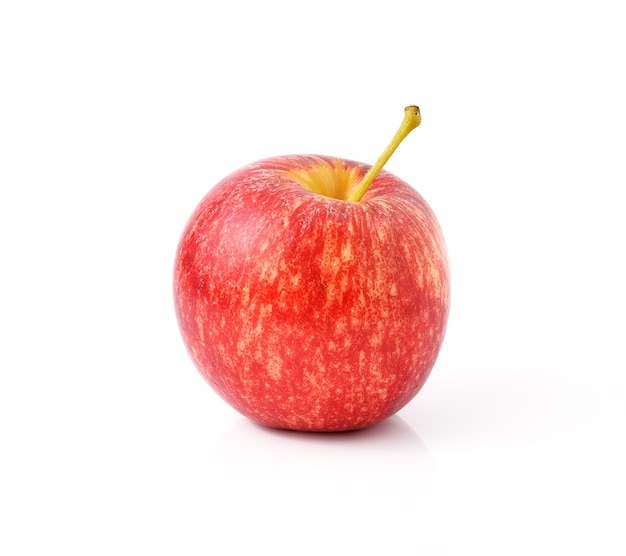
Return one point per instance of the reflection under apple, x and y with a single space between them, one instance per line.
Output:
361 492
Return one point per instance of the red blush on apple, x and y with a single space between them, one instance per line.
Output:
312 292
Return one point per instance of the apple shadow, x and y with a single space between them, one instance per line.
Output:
508 404
394 431
380 481
392 440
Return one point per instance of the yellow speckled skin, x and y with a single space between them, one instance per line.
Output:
308 312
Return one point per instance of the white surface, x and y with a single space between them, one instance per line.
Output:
116 117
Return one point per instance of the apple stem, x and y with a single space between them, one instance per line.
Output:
412 118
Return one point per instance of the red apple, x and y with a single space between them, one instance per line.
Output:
312 292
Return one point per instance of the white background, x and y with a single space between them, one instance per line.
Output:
115 119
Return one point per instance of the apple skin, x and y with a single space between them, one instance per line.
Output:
308 312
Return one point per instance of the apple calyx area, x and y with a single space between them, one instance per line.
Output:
346 184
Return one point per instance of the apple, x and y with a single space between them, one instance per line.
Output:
312 293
